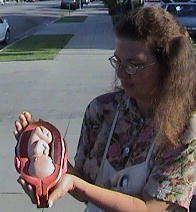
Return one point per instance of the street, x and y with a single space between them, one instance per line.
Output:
25 18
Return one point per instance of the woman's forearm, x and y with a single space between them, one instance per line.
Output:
104 198
108 200
71 170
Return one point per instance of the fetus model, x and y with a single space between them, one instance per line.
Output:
41 164
41 158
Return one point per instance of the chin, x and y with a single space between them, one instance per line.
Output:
130 93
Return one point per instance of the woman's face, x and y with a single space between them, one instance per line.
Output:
144 83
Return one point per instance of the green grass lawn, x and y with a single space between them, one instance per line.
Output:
70 19
36 47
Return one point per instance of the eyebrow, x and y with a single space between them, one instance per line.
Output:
133 59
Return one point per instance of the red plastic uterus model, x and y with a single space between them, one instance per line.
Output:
41 159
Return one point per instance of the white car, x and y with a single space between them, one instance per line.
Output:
4 31
155 3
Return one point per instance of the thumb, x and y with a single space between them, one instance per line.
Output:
54 196
64 186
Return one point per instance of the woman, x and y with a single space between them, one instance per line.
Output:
137 146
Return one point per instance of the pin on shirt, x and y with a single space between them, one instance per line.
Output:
125 152
124 181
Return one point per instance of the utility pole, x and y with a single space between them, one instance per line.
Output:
132 5
80 4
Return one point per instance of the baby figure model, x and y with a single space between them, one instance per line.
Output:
40 163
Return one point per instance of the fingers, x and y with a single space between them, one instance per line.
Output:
25 119
28 189
29 117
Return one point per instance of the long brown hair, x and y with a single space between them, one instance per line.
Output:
172 46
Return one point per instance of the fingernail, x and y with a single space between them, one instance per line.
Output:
50 203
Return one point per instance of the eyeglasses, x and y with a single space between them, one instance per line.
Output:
127 66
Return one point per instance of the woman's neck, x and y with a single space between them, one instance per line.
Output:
145 107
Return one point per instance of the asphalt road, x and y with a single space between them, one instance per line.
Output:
25 18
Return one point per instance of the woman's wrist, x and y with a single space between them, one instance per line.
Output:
79 187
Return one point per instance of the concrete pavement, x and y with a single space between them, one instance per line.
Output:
54 91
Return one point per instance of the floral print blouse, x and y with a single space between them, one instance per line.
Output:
172 171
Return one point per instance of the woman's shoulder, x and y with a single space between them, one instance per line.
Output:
112 98
103 104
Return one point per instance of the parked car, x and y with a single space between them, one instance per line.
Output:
1 2
185 12
29 0
164 2
85 1
156 3
70 4
4 31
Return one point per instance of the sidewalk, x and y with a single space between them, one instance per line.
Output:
93 34
55 91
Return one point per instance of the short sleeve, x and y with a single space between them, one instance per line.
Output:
173 176
90 126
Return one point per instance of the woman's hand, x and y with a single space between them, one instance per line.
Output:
23 121
28 189
65 185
